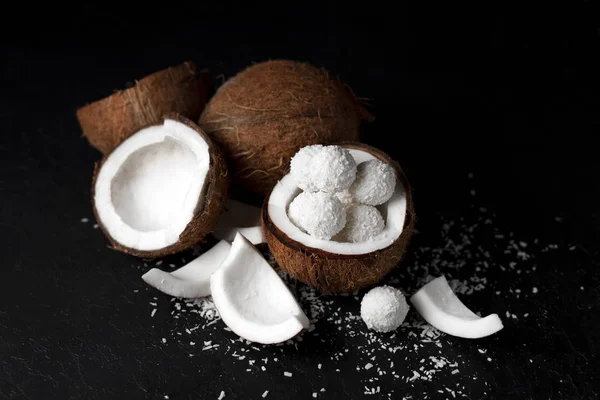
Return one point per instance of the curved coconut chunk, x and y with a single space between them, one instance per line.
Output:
193 279
251 298
242 218
394 213
149 187
438 305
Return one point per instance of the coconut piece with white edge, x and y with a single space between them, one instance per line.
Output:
334 266
161 190
251 298
242 218
438 305
193 279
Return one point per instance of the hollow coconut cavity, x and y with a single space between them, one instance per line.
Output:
182 89
262 116
161 190
334 266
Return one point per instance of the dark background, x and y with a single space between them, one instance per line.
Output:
511 95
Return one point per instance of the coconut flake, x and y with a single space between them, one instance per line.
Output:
193 279
328 169
251 298
438 305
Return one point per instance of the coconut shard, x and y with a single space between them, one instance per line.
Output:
182 89
161 190
333 266
262 116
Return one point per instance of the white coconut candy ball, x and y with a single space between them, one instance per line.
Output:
328 169
319 214
363 223
383 308
345 197
375 183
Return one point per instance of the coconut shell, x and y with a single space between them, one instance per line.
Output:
181 89
337 273
262 116
205 216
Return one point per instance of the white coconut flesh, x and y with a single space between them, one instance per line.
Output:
252 299
193 279
242 218
393 212
438 305
149 187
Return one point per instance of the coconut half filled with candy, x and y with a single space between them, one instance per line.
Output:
341 219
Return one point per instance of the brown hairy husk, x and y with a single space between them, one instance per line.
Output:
336 273
180 89
205 218
262 116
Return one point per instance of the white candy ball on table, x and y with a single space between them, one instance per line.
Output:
374 184
383 308
319 214
327 169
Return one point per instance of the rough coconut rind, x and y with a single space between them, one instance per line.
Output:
337 273
181 89
205 217
266 113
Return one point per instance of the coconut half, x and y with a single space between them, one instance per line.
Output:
242 218
193 279
335 266
161 190
252 299
182 89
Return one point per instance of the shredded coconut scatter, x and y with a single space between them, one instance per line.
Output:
375 183
323 168
413 354
319 214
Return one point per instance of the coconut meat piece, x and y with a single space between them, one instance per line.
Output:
150 187
242 218
193 279
251 298
438 305
393 212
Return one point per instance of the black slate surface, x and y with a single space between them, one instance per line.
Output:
509 97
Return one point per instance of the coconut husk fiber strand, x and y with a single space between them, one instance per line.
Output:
262 116
181 89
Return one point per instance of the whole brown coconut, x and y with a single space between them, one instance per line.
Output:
205 213
181 89
262 116
339 273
